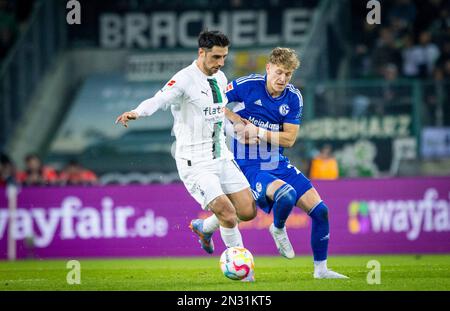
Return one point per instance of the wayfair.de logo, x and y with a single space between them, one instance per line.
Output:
358 220
410 217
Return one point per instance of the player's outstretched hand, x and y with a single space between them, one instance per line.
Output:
239 128
246 132
251 130
125 117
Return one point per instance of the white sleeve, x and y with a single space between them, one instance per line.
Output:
169 94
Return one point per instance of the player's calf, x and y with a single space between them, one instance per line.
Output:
284 200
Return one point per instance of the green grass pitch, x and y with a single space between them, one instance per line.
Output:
404 272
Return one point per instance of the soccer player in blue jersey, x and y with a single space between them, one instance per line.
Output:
266 120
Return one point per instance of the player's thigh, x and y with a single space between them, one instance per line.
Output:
223 208
244 204
260 182
237 188
203 186
302 185
231 178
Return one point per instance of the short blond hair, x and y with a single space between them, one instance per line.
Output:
285 57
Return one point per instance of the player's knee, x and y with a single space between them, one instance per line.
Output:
286 196
229 220
249 212
246 210
321 210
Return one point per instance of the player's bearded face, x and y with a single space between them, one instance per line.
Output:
213 59
278 78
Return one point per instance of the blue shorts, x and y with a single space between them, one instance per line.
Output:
260 179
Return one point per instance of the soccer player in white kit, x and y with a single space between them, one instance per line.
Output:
196 95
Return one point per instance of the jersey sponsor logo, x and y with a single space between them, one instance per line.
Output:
284 109
213 114
229 87
212 111
265 124
258 102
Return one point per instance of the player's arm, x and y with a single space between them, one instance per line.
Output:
169 94
246 129
237 125
285 138
291 125
232 116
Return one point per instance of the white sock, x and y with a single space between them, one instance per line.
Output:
278 230
320 266
211 224
231 236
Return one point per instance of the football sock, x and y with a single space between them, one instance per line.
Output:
231 236
320 231
320 266
211 224
284 201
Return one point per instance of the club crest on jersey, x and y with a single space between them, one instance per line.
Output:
229 87
284 109
258 187
196 188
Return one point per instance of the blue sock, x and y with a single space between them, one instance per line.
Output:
320 231
284 200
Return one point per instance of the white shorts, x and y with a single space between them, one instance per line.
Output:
205 181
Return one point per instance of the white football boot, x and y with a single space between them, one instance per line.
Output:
329 274
282 241
321 271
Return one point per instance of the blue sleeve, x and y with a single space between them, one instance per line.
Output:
294 115
235 92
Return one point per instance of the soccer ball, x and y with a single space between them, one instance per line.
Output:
237 263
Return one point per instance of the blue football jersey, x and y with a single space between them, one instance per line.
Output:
259 107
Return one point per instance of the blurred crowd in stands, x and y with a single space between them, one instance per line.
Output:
36 173
411 42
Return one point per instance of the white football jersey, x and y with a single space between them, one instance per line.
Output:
197 102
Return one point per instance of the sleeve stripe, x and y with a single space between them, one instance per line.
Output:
239 106
250 79
252 76
296 92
